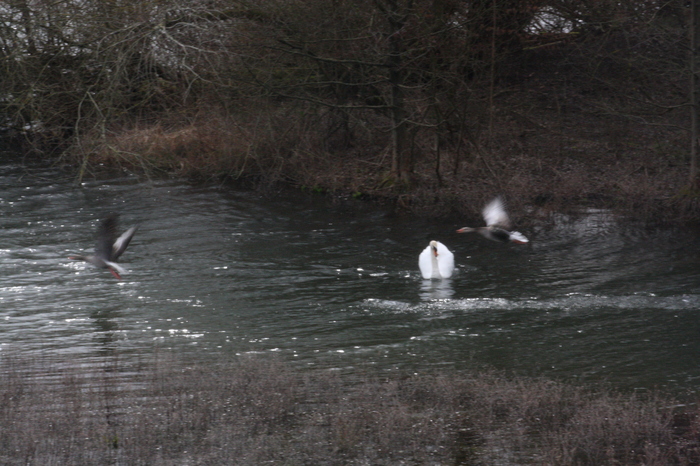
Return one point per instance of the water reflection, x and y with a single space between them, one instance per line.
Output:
436 289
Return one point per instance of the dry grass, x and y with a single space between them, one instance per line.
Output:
270 143
632 170
554 138
261 411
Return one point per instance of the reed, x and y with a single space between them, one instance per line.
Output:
253 411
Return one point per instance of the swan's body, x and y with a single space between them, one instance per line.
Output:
436 261
109 247
497 224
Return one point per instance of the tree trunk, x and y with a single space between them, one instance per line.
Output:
28 29
694 176
401 161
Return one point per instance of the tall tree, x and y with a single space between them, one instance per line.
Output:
694 175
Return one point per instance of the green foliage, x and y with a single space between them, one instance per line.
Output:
313 189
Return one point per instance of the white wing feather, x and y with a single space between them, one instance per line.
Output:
446 261
122 242
495 214
425 263
518 237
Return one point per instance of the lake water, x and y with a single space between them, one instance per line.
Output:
215 273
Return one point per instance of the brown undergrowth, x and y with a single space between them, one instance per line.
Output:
273 147
589 109
262 411
557 131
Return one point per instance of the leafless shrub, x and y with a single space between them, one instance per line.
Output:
430 106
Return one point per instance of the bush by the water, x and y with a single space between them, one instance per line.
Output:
433 106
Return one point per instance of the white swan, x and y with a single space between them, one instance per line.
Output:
436 261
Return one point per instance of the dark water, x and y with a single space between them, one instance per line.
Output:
216 273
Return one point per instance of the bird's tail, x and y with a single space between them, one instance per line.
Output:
517 237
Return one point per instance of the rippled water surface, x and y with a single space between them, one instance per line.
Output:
218 272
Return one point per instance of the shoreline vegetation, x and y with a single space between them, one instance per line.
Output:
433 108
260 410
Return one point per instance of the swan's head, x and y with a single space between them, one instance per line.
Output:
433 247
465 230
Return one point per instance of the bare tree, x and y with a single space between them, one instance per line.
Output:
694 175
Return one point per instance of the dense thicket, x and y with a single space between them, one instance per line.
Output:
422 100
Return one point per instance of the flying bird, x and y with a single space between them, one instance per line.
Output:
436 261
497 224
109 247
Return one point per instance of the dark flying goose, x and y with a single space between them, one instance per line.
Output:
109 247
497 224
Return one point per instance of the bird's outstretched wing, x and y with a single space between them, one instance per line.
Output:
110 246
122 242
495 214
106 235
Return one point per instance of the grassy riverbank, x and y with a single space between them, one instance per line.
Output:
260 411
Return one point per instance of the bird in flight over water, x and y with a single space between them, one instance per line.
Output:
497 224
109 246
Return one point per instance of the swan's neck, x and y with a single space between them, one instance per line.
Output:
436 269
